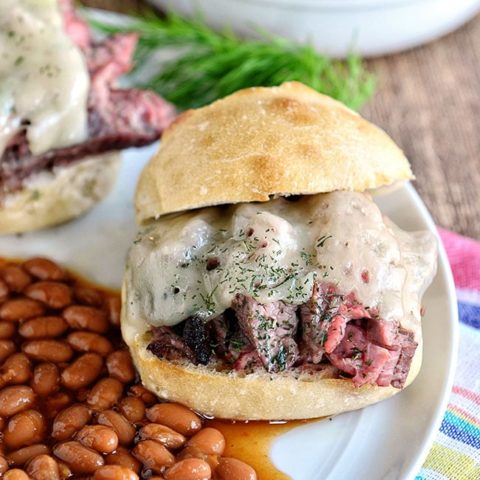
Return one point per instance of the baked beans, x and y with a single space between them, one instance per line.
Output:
71 405
53 294
43 467
190 469
175 416
24 428
16 369
45 379
43 327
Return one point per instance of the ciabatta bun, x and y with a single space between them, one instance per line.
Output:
264 142
51 198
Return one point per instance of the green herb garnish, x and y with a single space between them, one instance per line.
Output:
211 64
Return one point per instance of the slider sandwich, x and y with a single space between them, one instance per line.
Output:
264 282
62 116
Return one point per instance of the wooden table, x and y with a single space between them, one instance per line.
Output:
428 100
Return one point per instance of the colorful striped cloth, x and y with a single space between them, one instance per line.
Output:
455 455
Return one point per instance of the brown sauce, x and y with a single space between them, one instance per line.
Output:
251 442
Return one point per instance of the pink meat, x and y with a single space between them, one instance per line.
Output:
270 328
324 319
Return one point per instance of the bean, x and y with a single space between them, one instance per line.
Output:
105 394
65 471
83 371
231 468
147 397
113 305
15 399
189 469
114 472
175 416
16 369
80 317
15 277
162 434
15 474
88 296
43 327
121 456
7 347
80 459
7 330
53 294
55 403
120 366
209 440
69 421
23 455
21 309
194 452
89 342
153 455
24 428
122 427
100 438
3 465
132 408
44 269
45 379
43 467
3 290
55 351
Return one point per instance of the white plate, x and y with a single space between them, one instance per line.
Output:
386 441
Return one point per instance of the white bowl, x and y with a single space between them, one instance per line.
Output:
370 27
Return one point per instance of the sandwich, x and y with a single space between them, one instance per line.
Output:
62 117
264 282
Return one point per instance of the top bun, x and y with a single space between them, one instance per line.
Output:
261 143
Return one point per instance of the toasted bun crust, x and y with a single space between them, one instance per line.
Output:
255 396
53 198
263 142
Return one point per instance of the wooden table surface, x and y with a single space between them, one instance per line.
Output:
428 100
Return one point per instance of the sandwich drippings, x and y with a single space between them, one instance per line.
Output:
317 282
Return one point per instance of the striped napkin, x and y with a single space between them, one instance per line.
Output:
455 455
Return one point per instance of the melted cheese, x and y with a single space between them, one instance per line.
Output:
44 81
195 263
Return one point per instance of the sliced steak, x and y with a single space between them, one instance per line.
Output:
196 335
271 329
324 319
369 363
168 345
382 332
229 340
117 118
358 357
408 347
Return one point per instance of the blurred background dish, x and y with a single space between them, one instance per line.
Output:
370 27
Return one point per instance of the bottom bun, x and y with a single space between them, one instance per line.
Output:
54 197
259 396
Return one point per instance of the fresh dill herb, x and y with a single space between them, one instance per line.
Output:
321 241
356 354
211 64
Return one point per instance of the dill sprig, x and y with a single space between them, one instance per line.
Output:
211 64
